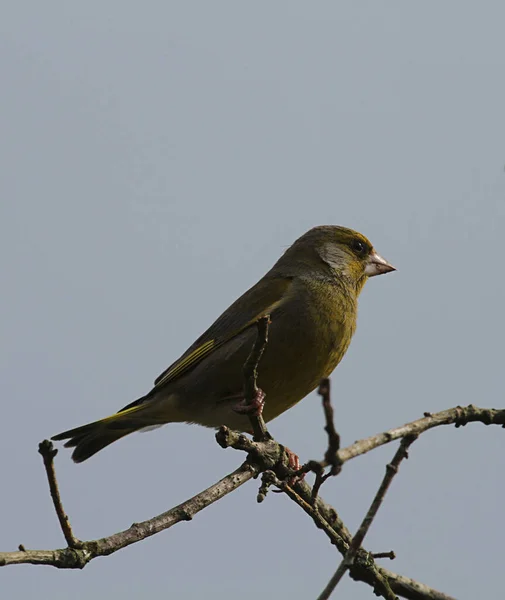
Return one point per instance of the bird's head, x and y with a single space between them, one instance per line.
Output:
337 252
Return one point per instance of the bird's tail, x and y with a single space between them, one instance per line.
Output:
93 437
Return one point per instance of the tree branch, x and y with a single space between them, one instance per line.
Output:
77 558
48 452
409 588
267 456
458 416
331 455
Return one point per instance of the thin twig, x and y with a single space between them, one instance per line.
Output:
391 555
335 537
391 471
48 452
347 561
386 583
331 455
326 518
321 477
251 389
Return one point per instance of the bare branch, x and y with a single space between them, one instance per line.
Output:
391 555
364 568
458 416
267 456
317 517
348 560
331 455
270 455
321 477
263 455
411 589
48 452
77 558
79 553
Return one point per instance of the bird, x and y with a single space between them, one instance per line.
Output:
311 298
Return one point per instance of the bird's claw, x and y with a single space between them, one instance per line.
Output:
254 408
294 464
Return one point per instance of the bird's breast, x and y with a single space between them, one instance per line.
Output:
307 340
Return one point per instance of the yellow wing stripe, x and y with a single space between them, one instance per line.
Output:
188 362
206 348
121 413
191 359
199 353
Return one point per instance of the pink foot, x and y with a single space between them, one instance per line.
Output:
294 463
254 408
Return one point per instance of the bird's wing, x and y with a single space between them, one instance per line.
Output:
262 299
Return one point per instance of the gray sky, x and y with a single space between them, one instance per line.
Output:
156 160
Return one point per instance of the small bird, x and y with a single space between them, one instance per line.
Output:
311 296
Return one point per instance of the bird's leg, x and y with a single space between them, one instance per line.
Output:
254 408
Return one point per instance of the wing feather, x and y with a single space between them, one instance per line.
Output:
262 299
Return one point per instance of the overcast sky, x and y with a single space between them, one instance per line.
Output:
157 158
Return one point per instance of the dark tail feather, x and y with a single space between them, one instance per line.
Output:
92 443
90 439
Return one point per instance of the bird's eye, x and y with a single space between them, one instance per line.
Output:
358 246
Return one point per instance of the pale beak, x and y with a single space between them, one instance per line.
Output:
376 265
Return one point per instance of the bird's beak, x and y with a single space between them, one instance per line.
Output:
376 265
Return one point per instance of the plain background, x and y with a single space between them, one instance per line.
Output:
156 159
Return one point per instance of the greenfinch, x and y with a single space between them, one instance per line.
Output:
311 295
